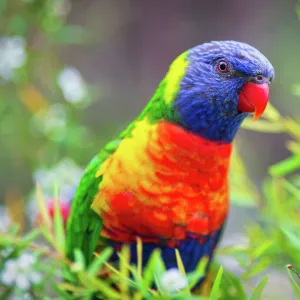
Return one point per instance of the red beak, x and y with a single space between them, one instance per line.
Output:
254 98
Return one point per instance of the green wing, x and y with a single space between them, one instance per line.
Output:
84 225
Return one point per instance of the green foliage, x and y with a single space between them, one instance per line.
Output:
216 285
257 293
40 120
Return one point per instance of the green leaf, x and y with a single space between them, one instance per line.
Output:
293 239
79 264
99 261
159 267
291 188
60 291
148 273
139 281
31 236
14 229
124 270
98 285
232 287
43 208
257 293
139 249
260 266
296 285
233 250
294 147
259 251
195 276
47 235
216 286
286 166
180 263
58 224
181 269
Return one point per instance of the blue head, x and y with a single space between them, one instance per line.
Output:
222 83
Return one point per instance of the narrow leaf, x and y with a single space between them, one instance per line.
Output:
292 238
257 293
58 224
180 263
149 270
139 247
286 166
261 249
43 208
295 284
194 277
79 264
216 285
31 236
181 268
124 270
97 285
99 261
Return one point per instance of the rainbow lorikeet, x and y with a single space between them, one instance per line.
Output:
165 178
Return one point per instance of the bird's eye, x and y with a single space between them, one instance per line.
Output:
223 66
259 78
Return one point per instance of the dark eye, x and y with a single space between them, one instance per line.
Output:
259 78
223 66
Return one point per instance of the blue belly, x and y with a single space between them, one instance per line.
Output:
191 251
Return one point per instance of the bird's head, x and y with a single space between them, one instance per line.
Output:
211 88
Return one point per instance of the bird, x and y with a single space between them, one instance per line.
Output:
164 178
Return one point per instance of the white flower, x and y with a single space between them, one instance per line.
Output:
12 55
17 272
22 282
66 174
173 280
5 219
26 260
72 85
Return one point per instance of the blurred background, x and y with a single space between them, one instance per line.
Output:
75 73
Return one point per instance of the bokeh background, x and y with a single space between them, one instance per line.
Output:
75 73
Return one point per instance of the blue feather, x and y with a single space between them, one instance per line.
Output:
207 100
191 251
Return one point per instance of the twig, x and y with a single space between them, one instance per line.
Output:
290 267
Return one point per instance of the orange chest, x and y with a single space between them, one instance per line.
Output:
163 182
